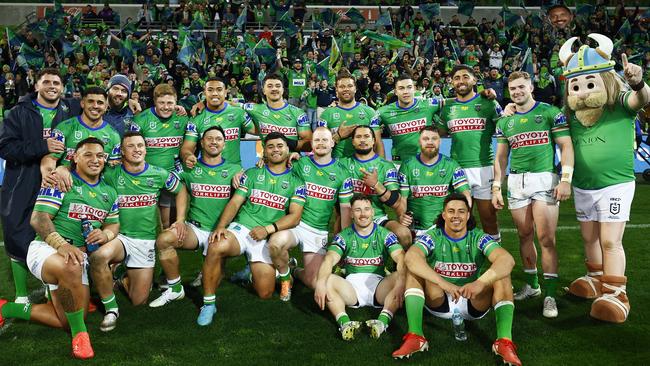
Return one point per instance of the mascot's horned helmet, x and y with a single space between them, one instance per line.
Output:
587 60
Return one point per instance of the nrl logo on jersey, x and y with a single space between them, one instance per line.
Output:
121 181
198 170
332 177
266 113
78 135
336 116
177 124
104 197
416 172
152 124
511 124
306 169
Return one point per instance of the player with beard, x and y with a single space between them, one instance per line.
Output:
327 182
346 115
426 180
470 120
363 248
218 112
530 136
58 256
120 113
138 185
269 199
600 113
276 115
25 137
205 191
376 177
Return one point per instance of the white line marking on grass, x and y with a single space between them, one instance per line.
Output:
575 227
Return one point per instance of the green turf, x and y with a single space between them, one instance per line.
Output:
249 331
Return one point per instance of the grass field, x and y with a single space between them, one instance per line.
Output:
249 331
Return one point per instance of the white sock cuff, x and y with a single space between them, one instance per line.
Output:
388 313
284 274
530 271
339 315
414 292
174 281
550 275
502 303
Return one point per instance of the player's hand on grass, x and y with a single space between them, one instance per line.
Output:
320 294
71 253
55 146
258 233
451 289
562 191
472 289
180 228
190 161
497 200
218 235
370 179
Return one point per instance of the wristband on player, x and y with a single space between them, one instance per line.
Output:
638 86
496 186
567 174
109 234
55 240
489 277
275 227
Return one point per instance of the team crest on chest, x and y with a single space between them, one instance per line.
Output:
266 113
332 177
231 117
260 178
442 172
336 116
224 173
150 182
198 170
121 181
285 184
362 115
104 197
477 107
511 124
177 124
393 114
539 118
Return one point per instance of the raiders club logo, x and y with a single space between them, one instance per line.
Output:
224 173
477 107
332 177
177 124
152 125
266 113
336 116
362 115
231 117
442 172
539 119
150 182
511 124
285 184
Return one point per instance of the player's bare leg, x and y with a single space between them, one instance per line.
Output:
167 243
140 280
402 232
279 245
613 305
545 216
308 274
589 286
488 215
523 220
263 279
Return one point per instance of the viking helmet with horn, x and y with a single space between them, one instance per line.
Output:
587 60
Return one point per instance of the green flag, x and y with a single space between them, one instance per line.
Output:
265 51
13 39
335 57
186 52
28 56
322 68
466 8
329 17
355 16
389 41
285 22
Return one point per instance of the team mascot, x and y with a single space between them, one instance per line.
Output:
601 108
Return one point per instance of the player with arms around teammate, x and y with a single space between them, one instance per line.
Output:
206 190
138 185
163 132
269 199
346 115
326 181
376 177
529 136
58 254
426 180
364 248
470 120
276 115
443 275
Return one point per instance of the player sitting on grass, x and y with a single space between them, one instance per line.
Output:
364 248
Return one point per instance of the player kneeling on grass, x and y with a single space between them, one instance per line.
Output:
364 247
443 275
58 255
269 199
138 185
207 189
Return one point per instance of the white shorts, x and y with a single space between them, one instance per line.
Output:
202 236
256 251
527 187
480 181
419 232
461 305
138 253
365 285
37 254
609 204
311 240
381 220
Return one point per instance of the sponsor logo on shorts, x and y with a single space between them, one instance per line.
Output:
320 192
268 199
466 124
266 128
359 262
163 142
138 200
437 190
210 190
529 139
455 270
77 210
402 128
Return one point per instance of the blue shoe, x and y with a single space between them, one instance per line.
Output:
206 315
242 277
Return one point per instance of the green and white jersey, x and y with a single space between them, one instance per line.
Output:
404 124
75 130
288 120
138 198
471 125
360 114
324 184
604 152
95 202
268 196
365 254
458 261
234 121
426 187
530 136
386 175
209 187
48 115
297 81
163 136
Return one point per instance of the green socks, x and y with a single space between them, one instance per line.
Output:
550 284
530 276
342 318
414 302
175 285
504 313
209 299
76 322
20 273
17 311
385 317
110 303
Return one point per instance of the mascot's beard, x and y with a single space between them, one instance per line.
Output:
589 109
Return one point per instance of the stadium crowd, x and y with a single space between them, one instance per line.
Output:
137 155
